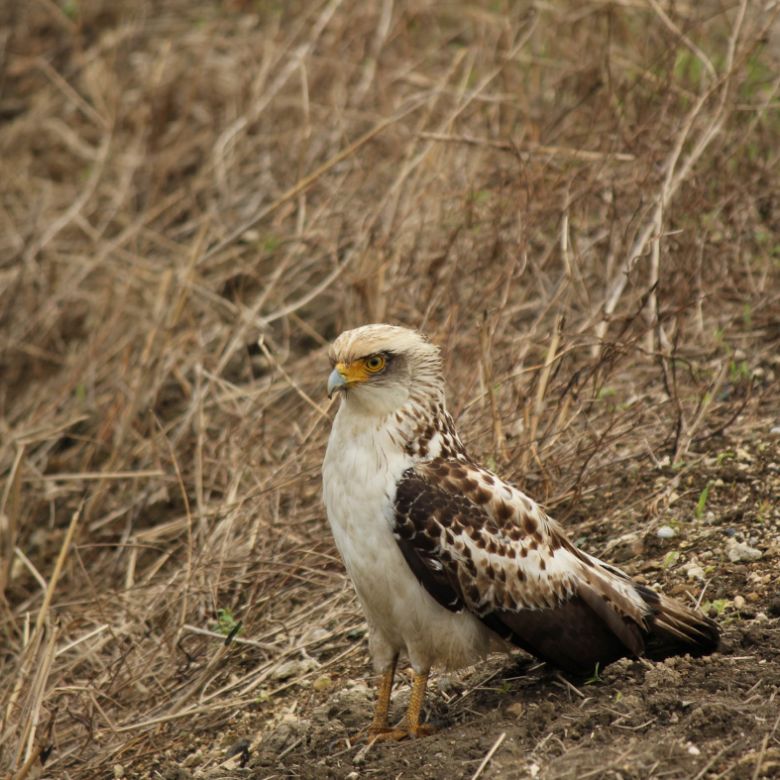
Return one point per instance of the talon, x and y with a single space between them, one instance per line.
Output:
422 730
390 735
400 732
410 727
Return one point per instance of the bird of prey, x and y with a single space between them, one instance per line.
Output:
448 560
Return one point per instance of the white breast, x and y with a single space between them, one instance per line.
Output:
362 466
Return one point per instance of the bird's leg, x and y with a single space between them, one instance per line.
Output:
379 724
413 726
410 726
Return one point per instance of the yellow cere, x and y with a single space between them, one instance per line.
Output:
353 372
361 370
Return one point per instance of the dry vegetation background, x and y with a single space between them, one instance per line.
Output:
579 200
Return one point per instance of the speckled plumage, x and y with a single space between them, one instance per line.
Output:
449 560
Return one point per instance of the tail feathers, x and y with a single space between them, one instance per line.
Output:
607 619
676 629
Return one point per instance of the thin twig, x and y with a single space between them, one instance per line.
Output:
307 181
529 150
489 755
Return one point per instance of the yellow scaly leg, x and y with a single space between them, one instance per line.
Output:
411 726
379 724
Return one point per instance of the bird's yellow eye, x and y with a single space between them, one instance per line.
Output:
374 363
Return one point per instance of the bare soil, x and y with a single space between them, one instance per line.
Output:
709 717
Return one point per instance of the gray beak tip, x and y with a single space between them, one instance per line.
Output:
335 382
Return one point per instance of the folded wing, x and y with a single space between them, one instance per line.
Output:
476 543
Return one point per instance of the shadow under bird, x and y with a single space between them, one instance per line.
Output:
448 560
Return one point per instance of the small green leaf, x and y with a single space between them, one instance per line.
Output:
670 558
226 622
271 244
701 504
70 8
716 605
322 683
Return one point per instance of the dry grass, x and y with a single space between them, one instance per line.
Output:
579 201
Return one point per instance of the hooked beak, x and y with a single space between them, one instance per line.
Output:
336 381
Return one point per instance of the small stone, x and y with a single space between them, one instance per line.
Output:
119 771
517 709
317 634
294 668
693 750
695 572
666 532
739 602
352 776
739 551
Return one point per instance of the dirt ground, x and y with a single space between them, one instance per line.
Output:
709 717
577 200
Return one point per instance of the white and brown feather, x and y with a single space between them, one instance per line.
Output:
477 543
483 552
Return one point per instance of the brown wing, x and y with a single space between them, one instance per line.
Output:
476 543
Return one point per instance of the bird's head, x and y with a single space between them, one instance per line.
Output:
378 368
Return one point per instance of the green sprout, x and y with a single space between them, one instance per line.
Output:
595 677
226 622
701 504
